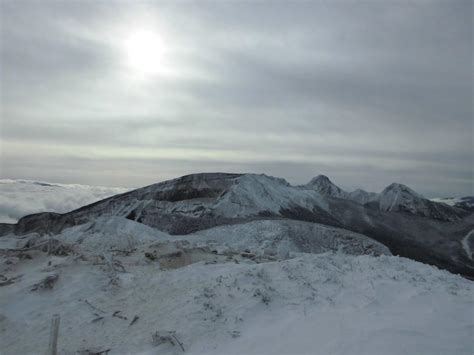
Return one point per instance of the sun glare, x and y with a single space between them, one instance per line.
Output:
144 52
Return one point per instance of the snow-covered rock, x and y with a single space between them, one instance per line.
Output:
326 187
400 198
323 185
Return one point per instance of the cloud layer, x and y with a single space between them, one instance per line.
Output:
365 92
19 198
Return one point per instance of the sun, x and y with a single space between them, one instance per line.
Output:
144 51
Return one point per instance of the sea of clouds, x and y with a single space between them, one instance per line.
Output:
19 198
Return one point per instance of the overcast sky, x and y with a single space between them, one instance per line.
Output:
128 94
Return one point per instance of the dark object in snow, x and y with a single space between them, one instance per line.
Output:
117 315
53 336
93 352
162 337
150 256
94 307
247 254
133 320
46 284
235 333
266 299
5 281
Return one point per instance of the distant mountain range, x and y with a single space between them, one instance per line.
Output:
398 217
395 198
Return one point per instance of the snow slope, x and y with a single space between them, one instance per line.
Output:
329 303
282 237
19 198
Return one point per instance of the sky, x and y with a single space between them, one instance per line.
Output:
131 93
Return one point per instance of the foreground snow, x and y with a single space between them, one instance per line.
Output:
19 198
217 302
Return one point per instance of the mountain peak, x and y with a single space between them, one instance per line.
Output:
398 188
324 186
320 179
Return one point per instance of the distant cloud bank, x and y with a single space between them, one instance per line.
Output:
19 198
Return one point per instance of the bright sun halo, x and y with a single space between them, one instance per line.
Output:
144 51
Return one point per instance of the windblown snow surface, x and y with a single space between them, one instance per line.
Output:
243 289
19 198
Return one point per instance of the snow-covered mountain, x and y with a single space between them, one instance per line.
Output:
326 187
323 185
400 198
194 202
394 198
201 201
226 263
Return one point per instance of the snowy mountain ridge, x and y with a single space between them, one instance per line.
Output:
226 263
394 198
400 219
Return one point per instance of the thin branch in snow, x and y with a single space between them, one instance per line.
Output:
94 307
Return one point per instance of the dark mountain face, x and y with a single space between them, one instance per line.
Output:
201 201
423 239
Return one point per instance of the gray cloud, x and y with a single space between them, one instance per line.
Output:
366 92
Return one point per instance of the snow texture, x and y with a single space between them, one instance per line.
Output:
217 301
